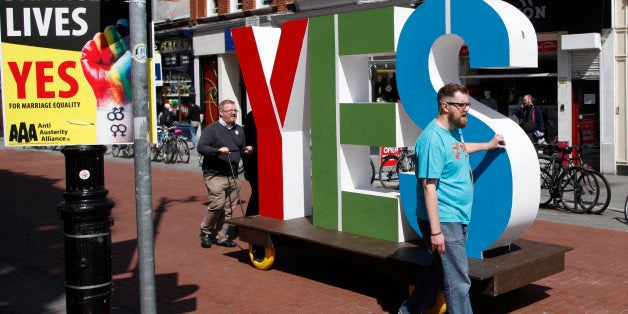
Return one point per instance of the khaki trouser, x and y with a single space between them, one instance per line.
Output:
223 198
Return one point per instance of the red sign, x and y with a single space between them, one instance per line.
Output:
543 46
388 151
548 45
588 129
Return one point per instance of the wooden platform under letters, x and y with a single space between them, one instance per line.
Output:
522 263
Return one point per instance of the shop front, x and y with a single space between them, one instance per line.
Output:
177 89
566 85
574 50
217 71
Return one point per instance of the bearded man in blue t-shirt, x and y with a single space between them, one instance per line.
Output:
444 200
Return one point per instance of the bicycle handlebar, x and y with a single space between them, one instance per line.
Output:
553 148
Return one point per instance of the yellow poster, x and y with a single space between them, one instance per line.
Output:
66 71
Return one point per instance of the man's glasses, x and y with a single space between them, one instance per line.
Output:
460 105
230 110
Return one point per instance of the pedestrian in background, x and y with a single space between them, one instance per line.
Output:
444 200
195 116
166 117
531 120
249 162
221 144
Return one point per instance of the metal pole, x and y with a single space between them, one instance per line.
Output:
87 226
143 202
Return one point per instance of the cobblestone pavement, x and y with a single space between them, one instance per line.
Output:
221 280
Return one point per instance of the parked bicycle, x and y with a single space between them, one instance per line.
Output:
569 181
392 165
170 147
125 150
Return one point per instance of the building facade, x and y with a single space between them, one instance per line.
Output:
580 82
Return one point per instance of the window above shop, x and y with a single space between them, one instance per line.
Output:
236 6
212 7
263 3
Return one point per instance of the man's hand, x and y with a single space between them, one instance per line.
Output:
497 142
438 243
223 150
106 63
248 150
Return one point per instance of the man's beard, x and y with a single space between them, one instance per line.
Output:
460 122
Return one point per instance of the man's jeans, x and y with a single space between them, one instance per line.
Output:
194 128
454 280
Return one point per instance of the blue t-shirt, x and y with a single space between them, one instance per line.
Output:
442 155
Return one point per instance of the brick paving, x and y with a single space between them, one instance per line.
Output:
190 279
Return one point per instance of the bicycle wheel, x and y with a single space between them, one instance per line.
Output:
388 172
590 190
545 162
604 193
155 151
115 150
406 163
574 196
547 188
183 150
129 151
170 151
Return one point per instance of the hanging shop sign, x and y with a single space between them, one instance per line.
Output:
66 70
178 44
543 46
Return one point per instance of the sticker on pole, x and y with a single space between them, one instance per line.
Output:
139 53
84 174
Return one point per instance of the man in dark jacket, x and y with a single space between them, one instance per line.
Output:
221 144
166 117
531 119
250 164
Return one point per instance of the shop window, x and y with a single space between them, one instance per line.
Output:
177 89
383 80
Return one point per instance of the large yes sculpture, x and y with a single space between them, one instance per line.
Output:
282 87
498 36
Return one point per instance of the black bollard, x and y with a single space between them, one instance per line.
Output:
87 225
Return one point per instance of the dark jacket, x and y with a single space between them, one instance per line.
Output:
215 136
195 113
166 118
529 116
250 161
